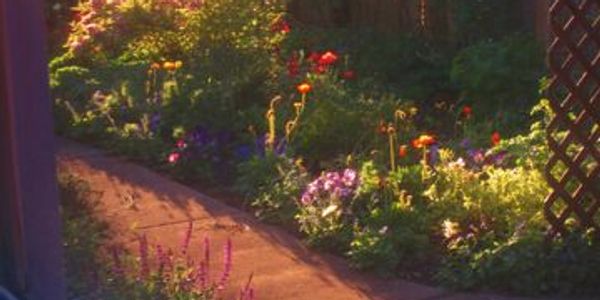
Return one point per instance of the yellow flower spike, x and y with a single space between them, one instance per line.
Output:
274 102
299 163
399 115
391 131
270 115
289 127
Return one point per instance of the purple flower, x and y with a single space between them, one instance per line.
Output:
227 264
118 267
154 122
186 240
465 143
339 184
144 265
243 152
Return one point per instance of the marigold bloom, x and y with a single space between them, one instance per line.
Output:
328 58
402 151
170 66
178 64
304 88
496 138
155 66
423 141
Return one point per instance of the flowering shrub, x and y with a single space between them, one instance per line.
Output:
172 274
325 207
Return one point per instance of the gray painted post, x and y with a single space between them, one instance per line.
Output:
27 163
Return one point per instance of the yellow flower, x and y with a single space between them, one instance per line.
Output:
450 229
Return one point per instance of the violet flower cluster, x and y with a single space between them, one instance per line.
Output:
197 278
341 184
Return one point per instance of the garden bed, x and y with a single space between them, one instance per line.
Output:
411 156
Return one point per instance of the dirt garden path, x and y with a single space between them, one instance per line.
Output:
135 199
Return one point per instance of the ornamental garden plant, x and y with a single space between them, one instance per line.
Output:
408 155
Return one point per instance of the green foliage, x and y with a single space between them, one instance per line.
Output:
272 185
83 235
498 77
527 265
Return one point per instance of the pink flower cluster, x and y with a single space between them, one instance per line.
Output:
338 184
197 279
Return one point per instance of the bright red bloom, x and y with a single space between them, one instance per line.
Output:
285 27
467 111
402 151
496 138
348 75
181 144
174 157
328 58
304 88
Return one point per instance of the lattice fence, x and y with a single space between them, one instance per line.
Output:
573 170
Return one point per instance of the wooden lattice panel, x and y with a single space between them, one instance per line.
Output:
573 170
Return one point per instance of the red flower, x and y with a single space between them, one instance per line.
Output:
174 157
402 151
181 144
281 26
293 66
348 75
496 138
320 69
328 58
304 88
467 111
314 57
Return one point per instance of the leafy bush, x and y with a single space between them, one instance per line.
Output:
272 184
527 265
500 77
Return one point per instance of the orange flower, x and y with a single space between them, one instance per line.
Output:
328 58
423 141
304 88
382 128
402 151
496 138
169 66
155 66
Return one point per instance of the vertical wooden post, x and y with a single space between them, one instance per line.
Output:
27 168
